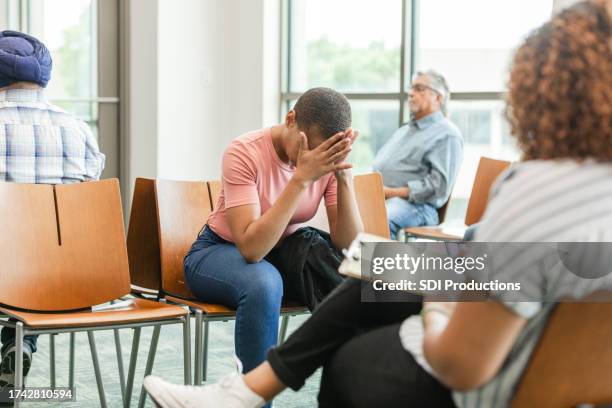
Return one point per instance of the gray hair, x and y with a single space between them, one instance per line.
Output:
438 84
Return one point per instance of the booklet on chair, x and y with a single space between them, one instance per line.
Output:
351 265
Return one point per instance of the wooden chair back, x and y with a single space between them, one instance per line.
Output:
370 198
572 361
183 208
62 247
143 237
214 188
442 212
486 174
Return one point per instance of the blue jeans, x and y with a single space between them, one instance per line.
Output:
8 339
404 214
217 273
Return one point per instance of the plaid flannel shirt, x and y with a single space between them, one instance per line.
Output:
42 143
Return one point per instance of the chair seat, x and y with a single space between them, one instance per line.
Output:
290 307
140 291
438 233
139 310
213 309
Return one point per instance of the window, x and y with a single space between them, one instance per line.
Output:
370 50
472 41
68 28
358 53
82 37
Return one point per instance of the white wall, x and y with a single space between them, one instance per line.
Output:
216 75
193 83
142 90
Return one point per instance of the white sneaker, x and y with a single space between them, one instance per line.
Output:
230 392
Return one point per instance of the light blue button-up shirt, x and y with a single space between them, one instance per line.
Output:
424 155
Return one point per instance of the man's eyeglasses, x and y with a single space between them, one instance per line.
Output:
423 88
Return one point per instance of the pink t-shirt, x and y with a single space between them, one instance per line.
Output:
252 173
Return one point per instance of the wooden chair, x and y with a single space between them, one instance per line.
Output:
442 212
486 174
370 198
572 361
143 240
214 188
63 251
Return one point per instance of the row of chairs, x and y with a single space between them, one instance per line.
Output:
64 251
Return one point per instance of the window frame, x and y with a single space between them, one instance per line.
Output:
408 63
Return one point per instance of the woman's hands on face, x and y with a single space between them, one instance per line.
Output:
327 157
352 135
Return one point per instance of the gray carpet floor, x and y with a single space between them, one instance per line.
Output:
168 364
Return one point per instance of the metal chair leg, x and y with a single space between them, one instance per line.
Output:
133 358
283 329
187 348
52 360
205 351
71 362
96 364
150 361
198 348
18 361
120 363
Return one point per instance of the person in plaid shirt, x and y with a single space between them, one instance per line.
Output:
39 143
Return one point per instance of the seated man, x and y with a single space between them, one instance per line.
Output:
39 143
420 162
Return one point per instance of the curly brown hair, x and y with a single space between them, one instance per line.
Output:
560 90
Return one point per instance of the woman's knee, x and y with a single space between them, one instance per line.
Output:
264 284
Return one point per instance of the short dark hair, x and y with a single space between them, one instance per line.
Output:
324 108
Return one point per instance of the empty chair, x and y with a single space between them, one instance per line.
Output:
370 198
70 241
486 174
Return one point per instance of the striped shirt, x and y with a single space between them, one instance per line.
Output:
41 143
537 201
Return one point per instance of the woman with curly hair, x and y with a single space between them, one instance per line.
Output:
472 353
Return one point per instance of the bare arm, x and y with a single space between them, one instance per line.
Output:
344 219
467 348
403 192
255 234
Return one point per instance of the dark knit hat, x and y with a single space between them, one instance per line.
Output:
23 58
